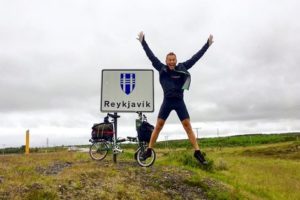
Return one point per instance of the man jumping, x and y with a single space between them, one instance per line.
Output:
174 79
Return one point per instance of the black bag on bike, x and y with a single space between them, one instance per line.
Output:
103 131
144 130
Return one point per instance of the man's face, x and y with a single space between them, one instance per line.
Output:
171 61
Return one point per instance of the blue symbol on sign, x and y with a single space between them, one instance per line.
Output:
127 82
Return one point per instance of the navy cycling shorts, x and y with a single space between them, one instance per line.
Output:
170 104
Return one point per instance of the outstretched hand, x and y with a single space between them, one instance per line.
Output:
141 36
210 39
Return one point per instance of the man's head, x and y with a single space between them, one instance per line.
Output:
171 60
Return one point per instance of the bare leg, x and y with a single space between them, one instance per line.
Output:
159 125
188 129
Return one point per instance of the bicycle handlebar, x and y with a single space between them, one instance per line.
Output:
113 115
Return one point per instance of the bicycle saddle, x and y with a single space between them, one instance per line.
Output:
132 139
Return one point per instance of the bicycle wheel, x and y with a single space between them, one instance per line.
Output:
149 161
98 150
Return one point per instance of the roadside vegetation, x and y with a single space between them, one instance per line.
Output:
240 167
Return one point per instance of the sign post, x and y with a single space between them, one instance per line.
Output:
126 90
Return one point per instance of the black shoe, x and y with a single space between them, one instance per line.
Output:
200 157
146 154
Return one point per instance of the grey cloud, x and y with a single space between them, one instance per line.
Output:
52 55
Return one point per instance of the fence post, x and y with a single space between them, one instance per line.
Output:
27 143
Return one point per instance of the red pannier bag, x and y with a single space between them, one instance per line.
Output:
102 131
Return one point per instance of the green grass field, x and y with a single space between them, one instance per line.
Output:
239 167
269 171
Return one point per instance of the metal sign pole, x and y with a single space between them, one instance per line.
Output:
116 135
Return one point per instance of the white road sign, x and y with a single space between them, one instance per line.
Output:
127 90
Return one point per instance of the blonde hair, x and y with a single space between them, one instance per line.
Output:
171 54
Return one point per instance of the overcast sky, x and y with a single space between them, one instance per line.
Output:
52 54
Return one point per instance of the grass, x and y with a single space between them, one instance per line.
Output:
235 141
41 195
265 171
266 177
262 170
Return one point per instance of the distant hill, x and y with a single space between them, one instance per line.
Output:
233 141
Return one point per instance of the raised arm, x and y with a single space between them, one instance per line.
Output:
189 63
154 60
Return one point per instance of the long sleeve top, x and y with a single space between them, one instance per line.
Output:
174 81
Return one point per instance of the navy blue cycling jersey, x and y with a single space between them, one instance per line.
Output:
174 82
179 78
